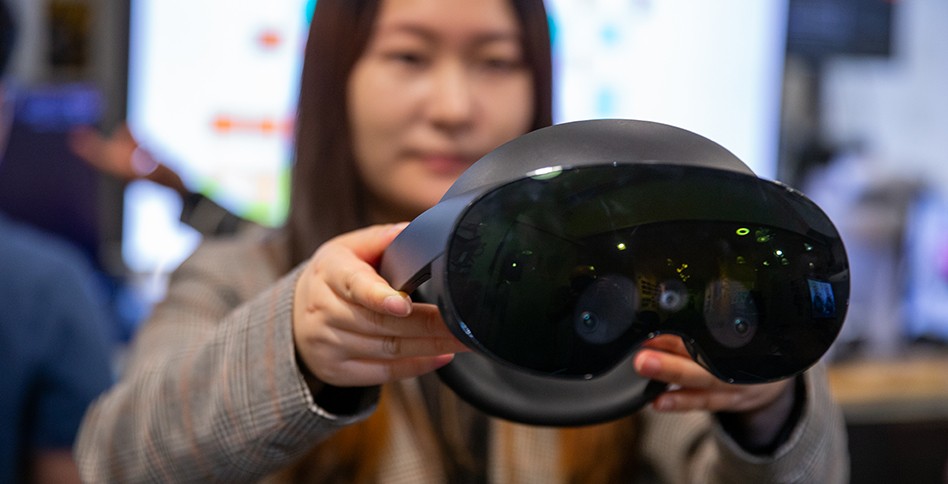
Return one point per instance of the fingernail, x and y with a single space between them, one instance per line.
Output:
396 228
664 403
443 360
647 365
398 305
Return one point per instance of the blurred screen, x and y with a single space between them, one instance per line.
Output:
926 267
211 93
212 86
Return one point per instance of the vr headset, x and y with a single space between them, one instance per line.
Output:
557 254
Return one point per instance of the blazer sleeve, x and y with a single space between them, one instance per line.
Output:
816 450
212 391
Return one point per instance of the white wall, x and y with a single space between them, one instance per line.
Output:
897 109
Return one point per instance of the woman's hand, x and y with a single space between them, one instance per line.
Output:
351 328
762 408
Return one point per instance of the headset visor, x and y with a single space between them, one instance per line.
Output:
567 271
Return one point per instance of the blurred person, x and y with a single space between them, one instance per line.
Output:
54 344
283 356
120 155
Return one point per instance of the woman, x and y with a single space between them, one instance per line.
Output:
270 353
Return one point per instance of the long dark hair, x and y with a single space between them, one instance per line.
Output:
326 191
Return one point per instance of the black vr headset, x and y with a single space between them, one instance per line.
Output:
557 254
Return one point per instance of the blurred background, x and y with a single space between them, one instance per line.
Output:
841 99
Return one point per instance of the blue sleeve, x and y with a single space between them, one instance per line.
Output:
77 362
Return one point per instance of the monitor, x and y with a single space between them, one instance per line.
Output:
822 29
211 93
926 267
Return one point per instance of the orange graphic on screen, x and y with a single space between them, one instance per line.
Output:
226 124
269 39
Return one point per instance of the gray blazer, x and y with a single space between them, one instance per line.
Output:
212 392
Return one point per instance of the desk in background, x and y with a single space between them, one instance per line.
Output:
897 416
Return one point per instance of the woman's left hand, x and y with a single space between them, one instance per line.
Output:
763 408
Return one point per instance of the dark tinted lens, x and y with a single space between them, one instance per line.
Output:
566 273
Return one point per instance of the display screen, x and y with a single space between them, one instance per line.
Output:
212 87
926 268
213 83
820 29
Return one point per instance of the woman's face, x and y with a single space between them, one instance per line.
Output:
441 83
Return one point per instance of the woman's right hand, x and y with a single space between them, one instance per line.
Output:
351 328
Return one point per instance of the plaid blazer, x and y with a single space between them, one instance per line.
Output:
211 392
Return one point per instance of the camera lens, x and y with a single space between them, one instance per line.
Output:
672 296
730 313
588 321
606 309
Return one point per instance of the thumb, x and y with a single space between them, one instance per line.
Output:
369 243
